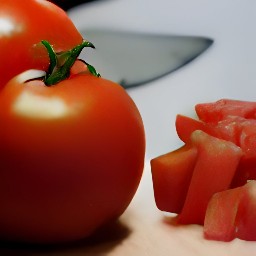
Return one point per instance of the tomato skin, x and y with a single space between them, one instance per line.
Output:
23 26
63 176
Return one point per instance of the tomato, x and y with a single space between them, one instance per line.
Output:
171 174
23 24
231 214
71 155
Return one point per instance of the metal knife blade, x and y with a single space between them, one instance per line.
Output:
132 58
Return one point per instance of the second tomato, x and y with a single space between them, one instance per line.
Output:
23 25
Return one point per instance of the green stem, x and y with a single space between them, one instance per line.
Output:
61 63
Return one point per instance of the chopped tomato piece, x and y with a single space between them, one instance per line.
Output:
231 214
220 218
186 125
246 221
219 110
171 175
248 139
216 164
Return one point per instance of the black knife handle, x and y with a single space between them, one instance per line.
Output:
67 4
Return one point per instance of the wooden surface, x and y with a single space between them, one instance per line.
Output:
142 231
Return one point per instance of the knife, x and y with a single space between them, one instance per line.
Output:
133 59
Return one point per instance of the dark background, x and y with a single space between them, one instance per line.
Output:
67 4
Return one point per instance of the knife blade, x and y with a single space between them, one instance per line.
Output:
132 59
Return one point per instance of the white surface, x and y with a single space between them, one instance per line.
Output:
226 70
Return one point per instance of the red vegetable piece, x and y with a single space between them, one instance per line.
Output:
219 110
215 167
171 175
186 125
231 214
220 217
246 221
248 139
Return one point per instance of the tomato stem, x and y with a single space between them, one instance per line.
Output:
61 63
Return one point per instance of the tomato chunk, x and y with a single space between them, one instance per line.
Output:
246 221
186 125
171 175
231 214
216 164
219 110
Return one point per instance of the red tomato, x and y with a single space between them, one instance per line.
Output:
23 24
171 175
71 157
231 214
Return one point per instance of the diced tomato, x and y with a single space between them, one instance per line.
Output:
186 125
246 215
224 139
238 130
216 164
219 110
246 171
231 214
171 175
220 218
248 139
227 129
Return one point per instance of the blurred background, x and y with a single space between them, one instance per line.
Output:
225 70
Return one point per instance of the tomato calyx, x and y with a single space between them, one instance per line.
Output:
61 63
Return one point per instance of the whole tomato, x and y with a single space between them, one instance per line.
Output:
25 23
71 156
